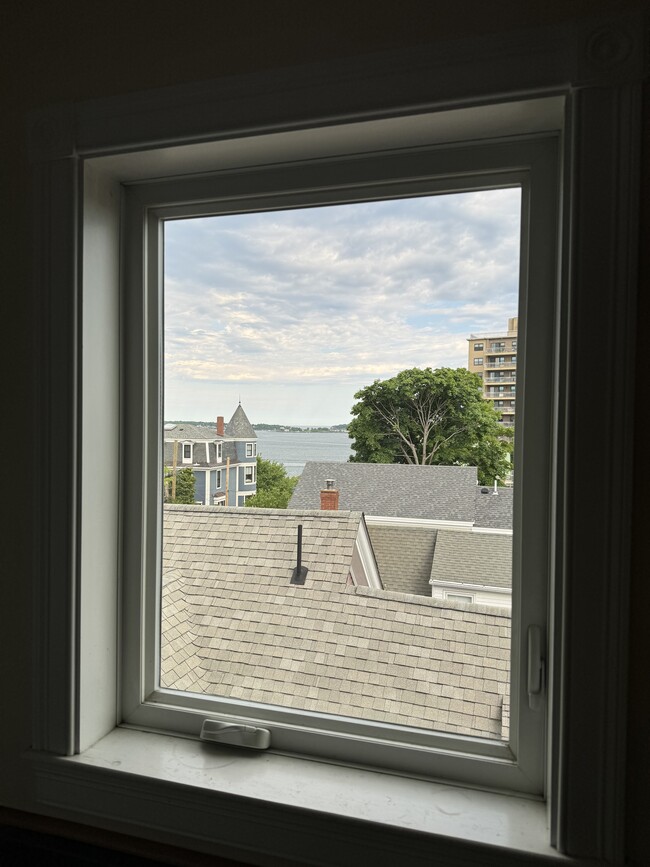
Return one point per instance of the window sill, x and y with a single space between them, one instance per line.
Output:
277 809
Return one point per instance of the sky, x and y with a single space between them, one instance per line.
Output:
294 311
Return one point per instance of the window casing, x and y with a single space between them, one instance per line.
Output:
187 453
517 765
251 450
219 449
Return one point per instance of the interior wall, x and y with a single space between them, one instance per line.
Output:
74 50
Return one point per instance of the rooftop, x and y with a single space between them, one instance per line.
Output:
234 626
392 490
473 558
238 427
437 493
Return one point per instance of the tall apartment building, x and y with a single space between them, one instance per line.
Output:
494 358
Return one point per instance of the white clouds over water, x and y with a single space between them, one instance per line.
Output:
297 310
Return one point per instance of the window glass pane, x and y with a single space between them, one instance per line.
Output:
337 343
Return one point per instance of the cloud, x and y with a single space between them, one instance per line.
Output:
335 296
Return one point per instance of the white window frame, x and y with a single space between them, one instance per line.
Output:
219 447
190 458
529 163
251 450
459 597
81 765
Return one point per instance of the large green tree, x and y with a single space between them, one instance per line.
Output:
430 417
274 486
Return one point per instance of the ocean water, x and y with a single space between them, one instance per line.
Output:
294 449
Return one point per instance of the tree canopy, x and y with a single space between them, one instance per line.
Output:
425 416
185 484
274 486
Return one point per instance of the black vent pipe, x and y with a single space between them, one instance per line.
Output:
300 572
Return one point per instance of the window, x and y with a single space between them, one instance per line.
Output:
251 450
581 754
294 188
478 361
459 597
218 479
187 453
219 451
478 347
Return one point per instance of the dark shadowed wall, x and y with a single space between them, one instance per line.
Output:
72 50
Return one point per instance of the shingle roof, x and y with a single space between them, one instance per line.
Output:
234 626
239 426
494 510
404 556
473 558
188 431
392 490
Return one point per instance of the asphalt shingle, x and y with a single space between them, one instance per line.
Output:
473 558
392 490
234 626
404 557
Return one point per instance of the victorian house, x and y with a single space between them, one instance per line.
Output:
223 459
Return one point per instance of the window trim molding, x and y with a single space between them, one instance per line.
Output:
586 762
531 163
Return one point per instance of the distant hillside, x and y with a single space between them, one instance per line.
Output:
282 428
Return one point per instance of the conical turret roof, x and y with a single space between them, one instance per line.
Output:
239 426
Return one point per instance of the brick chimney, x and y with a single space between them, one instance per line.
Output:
329 497
220 427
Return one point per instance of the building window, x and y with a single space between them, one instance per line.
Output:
459 597
187 453
218 479
478 361
219 451
203 198
478 347
251 450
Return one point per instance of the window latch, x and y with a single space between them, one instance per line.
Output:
236 734
536 668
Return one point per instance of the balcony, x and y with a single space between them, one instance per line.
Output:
500 364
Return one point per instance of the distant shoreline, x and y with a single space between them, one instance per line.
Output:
278 428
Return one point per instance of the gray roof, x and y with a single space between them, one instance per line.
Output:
188 431
473 558
392 490
404 556
234 626
494 510
228 450
239 426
